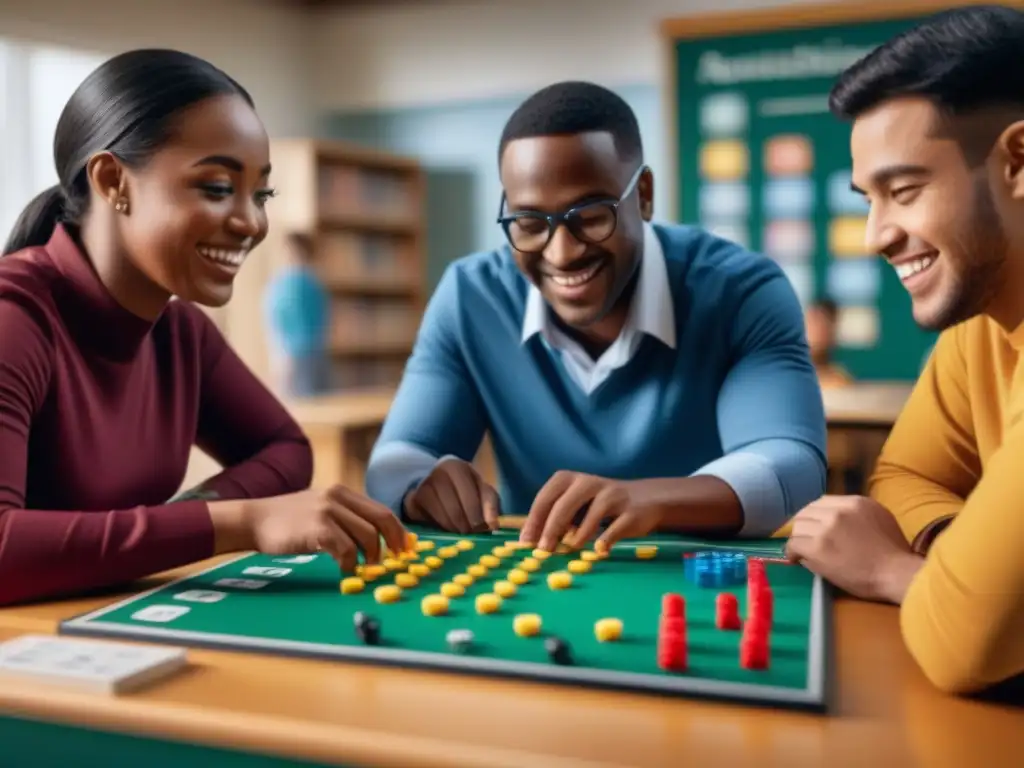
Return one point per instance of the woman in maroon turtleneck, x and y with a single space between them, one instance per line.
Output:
106 381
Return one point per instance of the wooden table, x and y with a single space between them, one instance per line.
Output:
343 427
886 713
859 418
865 405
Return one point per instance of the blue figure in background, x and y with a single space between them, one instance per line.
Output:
297 310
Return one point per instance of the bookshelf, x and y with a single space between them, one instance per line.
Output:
364 213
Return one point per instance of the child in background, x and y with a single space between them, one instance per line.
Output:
820 318
297 316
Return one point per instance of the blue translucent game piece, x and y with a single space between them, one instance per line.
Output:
717 569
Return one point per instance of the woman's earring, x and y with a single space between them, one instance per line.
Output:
121 206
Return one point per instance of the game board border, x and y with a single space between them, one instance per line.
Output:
815 696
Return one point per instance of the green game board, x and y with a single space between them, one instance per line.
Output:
299 610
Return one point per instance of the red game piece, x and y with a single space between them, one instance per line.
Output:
672 652
754 653
675 625
672 604
754 644
761 604
727 612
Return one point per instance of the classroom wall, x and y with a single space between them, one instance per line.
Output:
413 54
262 43
438 81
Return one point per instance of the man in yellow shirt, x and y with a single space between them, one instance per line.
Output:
938 149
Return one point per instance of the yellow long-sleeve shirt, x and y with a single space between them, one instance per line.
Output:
956 456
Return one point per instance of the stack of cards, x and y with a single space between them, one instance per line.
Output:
99 666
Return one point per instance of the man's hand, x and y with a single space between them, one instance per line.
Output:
856 544
566 494
454 498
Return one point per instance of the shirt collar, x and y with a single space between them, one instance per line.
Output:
651 310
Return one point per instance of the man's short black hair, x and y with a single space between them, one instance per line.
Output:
961 60
575 107
828 306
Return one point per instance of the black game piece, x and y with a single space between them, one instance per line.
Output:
370 631
558 650
359 618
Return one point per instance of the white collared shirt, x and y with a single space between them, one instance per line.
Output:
651 312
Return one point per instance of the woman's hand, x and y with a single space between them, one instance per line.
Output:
337 521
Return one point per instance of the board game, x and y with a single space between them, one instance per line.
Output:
482 604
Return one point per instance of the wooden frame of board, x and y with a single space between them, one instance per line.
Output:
770 19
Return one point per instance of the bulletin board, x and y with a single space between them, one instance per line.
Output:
760 160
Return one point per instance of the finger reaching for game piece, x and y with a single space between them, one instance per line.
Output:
558 503
337 521
567 495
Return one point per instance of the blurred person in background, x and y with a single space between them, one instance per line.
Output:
297 311
106 383
821 319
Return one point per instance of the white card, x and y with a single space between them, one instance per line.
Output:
160 613
241 583
201 596
266 570
95 665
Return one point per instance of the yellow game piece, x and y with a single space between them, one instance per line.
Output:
526 624
464 544
410 541
477 571
464 579
517 576
529 564
490 561
579 566
560 580
423 546
387 593
541 554
606 630
600 547
371 572
502 551
394 564
433 561
487 603
408 556
352 585
504 588
589 556
451 589
521 544
434 605
406 580
646 553
419 570
563 549
448 552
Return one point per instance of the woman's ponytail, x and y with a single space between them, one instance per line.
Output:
37 222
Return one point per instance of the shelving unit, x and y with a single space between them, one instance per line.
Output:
363 211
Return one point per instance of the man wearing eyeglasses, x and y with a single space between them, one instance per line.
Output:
633 377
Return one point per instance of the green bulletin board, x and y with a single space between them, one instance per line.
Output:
762 162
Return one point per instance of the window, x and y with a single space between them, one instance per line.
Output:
35 83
